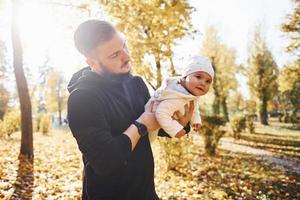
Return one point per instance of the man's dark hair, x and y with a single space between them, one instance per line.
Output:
91 33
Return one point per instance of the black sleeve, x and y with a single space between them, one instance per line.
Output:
162 133
92 132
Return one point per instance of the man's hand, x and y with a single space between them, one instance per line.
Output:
149 120
188 112
148 117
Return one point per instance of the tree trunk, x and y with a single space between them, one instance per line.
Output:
25 104
158 73
263 111
173 72
4 101
59 111
216 103
225 110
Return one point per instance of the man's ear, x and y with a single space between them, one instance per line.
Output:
94 64
91 62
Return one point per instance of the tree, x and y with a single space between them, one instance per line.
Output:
262 74
223 61
3 62
4 97
289 84
290 75
41 88
4 94
236 102
25 103
56 93
251 106
151 28
292 28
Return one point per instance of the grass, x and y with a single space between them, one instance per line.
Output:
280 138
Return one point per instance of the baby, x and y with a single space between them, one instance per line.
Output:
176 92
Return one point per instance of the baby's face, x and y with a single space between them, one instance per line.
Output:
198 83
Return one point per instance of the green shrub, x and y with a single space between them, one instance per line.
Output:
286 118
290 118
250 123
34 125
238 124
211 133
10 124
37 121
294 119
45 123
280 117
175 149
250 126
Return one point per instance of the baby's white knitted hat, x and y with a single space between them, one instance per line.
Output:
198 63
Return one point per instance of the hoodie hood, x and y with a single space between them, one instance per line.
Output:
169 94
87 76
74 80
172 89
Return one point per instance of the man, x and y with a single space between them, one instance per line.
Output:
106 116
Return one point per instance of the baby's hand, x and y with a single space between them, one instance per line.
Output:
196 126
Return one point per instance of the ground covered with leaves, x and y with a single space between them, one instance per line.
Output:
55 172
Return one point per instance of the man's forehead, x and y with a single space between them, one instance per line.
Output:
112 45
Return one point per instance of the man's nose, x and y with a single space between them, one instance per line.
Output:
125 55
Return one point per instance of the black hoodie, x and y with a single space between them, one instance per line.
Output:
100 109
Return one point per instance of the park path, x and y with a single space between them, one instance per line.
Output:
286 163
